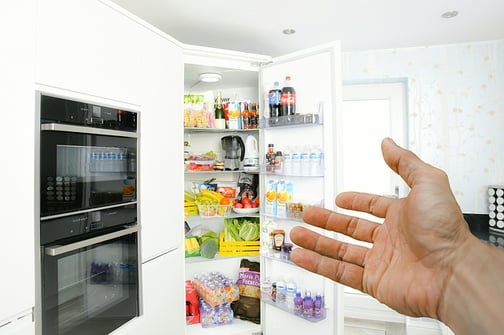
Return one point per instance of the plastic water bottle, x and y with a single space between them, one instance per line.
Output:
287 162
296 162
315 161
281 293
290 295
304 159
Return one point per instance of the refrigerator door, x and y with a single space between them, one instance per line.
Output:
316 77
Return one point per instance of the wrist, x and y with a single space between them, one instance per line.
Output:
471 298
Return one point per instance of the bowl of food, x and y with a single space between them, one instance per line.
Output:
243 210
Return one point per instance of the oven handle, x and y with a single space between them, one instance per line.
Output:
86 130
57 250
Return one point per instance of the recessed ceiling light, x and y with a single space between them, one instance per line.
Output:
288 31
449 14
210 77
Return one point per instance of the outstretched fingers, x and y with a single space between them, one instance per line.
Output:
328 247
357 228
340 269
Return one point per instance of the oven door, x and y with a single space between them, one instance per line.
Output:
90 286
83 168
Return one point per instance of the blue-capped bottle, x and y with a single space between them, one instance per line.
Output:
274 100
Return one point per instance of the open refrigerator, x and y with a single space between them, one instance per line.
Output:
316 77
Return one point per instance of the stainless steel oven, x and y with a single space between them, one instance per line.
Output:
89 230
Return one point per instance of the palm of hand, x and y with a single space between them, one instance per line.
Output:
406 266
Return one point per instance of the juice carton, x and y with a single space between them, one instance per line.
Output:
270 197
284 196
234 116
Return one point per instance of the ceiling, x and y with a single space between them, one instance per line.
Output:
256 26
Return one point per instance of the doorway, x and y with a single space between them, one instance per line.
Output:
371 111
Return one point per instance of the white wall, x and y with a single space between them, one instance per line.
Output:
456 109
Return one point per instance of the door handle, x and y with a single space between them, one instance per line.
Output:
57 250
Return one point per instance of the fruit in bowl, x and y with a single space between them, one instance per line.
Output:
246 203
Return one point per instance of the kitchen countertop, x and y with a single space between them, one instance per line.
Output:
478 223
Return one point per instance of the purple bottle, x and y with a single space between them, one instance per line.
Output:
298 303
318 307
308 305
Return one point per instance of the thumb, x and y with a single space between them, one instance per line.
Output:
403 162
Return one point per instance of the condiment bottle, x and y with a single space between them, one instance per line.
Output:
246 116
278 239
270 158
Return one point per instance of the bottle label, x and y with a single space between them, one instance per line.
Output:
288 99
274 97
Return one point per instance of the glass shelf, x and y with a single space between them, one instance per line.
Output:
297 120
215 130
284 308
219 172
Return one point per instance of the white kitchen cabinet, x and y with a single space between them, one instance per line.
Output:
94 50
21 324
17 289
162 296
84 46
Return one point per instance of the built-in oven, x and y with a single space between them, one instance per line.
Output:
90 285
89 230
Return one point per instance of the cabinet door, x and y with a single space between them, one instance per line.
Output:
17 140
316 78
161 138
84 46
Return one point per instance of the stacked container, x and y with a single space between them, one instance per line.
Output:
496 208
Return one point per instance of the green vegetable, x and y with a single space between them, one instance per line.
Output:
208 236
209 248
249 231
233 230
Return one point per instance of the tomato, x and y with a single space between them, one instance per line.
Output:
245 201
239 205
249 205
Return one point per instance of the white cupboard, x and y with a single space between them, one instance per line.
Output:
17 291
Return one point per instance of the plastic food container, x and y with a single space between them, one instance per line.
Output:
295 209
214 210
201 165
